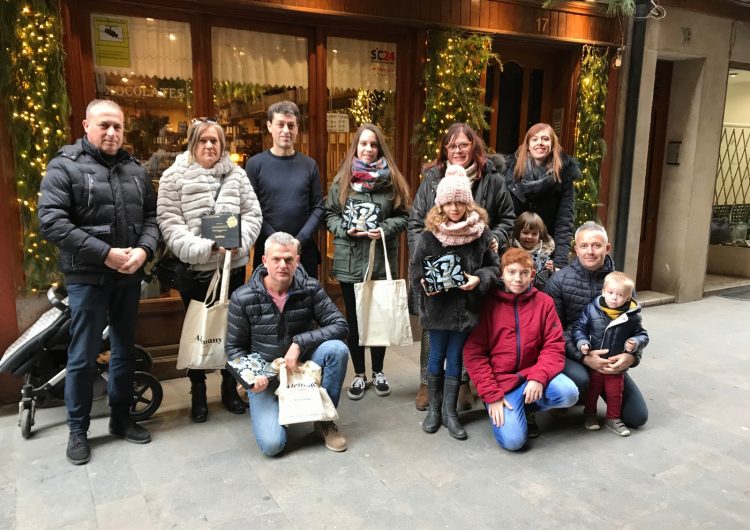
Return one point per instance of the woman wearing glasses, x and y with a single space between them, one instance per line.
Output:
461 145
203 180
367 194
540 178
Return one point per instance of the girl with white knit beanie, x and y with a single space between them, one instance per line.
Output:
456 227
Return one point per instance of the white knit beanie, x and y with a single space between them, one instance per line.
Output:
454 187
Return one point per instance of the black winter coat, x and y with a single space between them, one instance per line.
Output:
490 192
555 204
572 288
455 309
595 328
88 206
256 325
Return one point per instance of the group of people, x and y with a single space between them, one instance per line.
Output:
506 222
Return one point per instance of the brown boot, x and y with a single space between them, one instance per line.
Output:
422 398
465 397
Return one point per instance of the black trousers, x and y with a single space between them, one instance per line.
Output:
357 352
198 292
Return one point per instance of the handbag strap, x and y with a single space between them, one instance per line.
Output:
216 195
371 258
223 275
282 376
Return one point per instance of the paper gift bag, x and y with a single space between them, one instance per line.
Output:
382 306
301 398
204 329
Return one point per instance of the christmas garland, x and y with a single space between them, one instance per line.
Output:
590 147
33 85
455 64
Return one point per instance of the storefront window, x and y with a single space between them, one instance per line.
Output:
251 71
361 82
731 208
146 66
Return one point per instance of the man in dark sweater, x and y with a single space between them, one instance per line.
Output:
287 184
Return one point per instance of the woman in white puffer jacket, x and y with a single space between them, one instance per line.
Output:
204 180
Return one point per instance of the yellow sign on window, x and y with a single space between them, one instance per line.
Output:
111 42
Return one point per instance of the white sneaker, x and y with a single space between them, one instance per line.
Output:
382 388
357 388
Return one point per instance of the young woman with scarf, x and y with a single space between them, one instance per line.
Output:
460 145
540 178
367 180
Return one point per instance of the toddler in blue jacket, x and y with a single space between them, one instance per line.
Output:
610 324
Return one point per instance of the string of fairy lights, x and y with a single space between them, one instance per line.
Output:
455 64
590 148
32 83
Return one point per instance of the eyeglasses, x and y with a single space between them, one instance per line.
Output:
458 147
202 120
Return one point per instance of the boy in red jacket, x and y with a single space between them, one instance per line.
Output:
516 353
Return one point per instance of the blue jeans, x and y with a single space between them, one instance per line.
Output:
446 348
91 307
332 356
560 393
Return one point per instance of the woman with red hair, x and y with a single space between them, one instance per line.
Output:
540 178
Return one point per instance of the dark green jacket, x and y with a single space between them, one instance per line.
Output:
350 253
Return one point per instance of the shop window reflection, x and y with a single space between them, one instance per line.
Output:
252 70
361 88
145 65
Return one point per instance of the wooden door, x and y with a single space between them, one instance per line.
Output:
536 84
654 167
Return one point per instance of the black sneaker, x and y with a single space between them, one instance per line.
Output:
78 451
130 430
532 428
357 388
382 388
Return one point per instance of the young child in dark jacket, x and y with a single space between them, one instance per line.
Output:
457 225
611 322
530 234
516 353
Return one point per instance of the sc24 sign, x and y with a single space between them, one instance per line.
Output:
383 56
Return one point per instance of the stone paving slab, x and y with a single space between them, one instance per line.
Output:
689 467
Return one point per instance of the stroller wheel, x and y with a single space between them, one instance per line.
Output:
26 421
147 396
143 359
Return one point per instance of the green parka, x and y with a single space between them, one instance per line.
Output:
351 253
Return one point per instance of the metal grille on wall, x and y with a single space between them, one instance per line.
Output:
733 173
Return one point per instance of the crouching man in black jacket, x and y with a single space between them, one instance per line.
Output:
283 312
98 206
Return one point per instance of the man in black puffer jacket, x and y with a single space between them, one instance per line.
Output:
572 288
97 205
283 312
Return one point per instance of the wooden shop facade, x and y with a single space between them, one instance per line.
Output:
167 61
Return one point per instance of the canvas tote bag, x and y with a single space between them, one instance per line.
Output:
204 329
382 306
301 398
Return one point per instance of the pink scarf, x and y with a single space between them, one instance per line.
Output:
452 234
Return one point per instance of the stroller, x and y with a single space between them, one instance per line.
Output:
40 354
